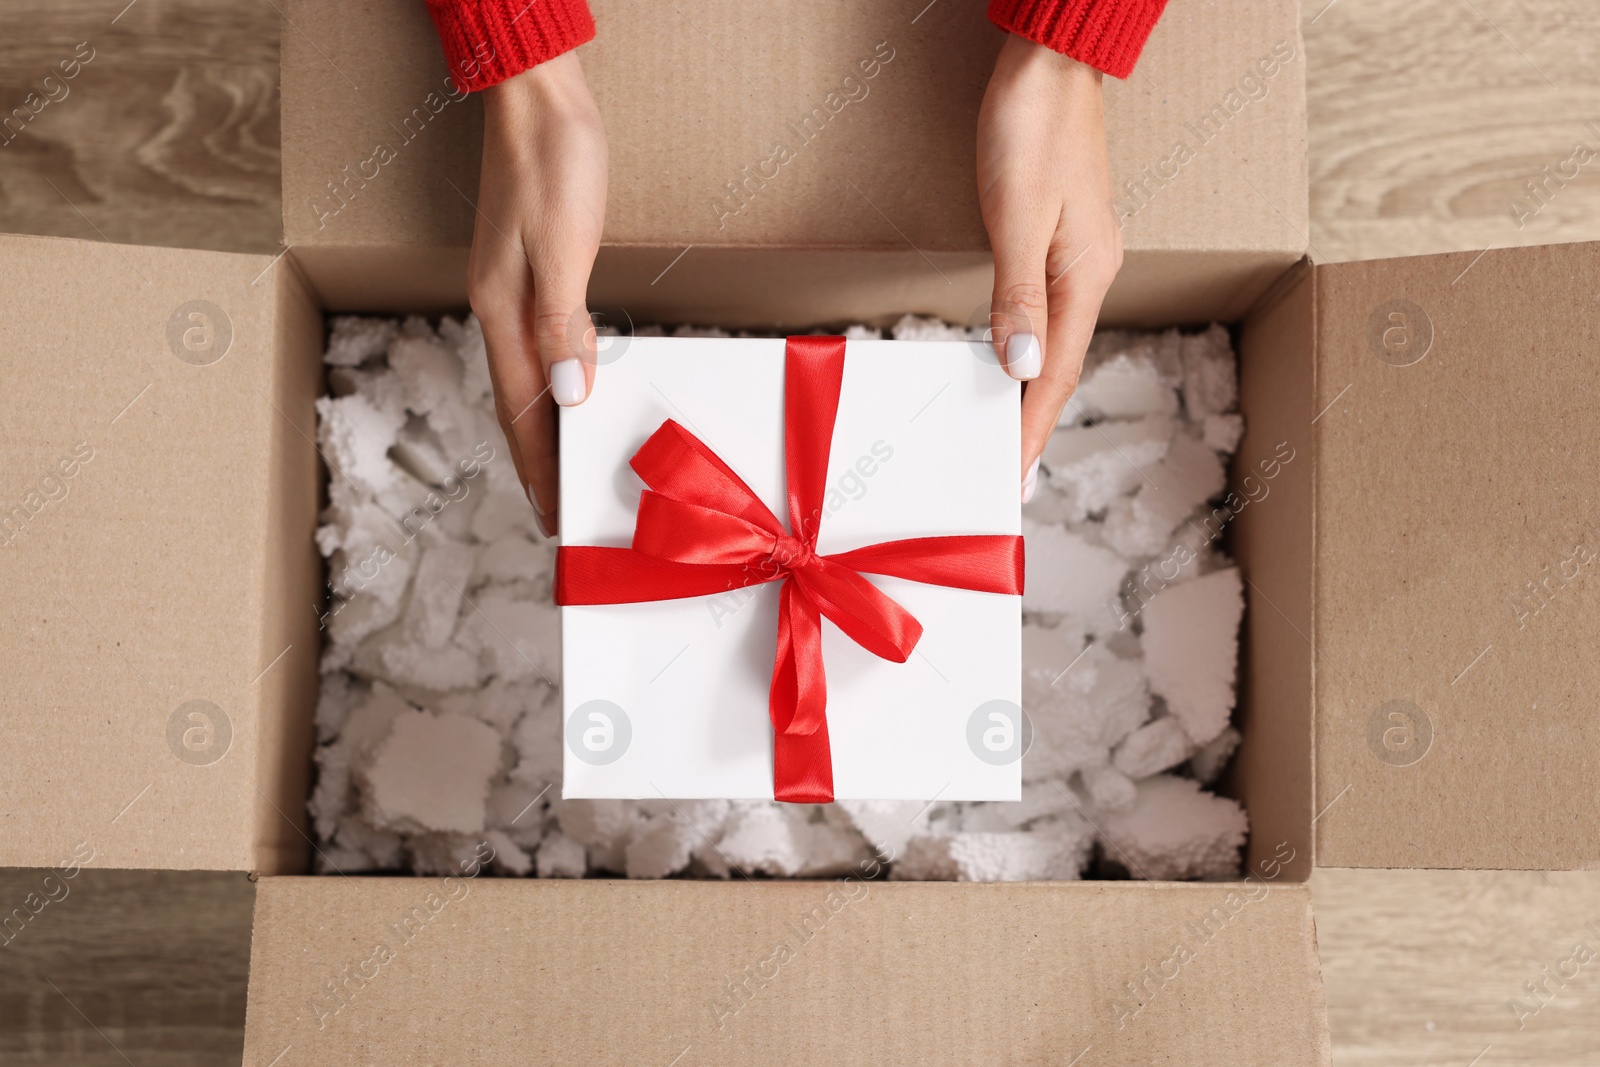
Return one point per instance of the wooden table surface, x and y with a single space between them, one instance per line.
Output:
1427 118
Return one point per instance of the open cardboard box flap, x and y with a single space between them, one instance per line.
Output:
876 210
174 565
1457 599
774 972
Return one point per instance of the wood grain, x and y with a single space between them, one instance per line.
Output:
143 967
1420 966
168 135
1427 117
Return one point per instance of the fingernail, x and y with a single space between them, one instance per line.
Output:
1023 361
567 383
1031 482
546 520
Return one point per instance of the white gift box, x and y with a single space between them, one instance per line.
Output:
670 698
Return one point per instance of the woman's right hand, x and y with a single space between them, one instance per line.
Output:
541 209
1044 185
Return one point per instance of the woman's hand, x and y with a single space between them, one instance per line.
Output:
1045 188
541 207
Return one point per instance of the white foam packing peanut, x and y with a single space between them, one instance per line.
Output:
1152 748
1191 648
431 773
1209 760
1109 790
1126 385
1187 476
885 824
1068 575
560 857
439 724
1094 465
1054 852
1210 373
355 436
659 848
785 841
1081 711
354 339
1175 830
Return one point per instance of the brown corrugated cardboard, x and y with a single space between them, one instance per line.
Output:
1451 551
160 640
1207 147
797 287
1457 552
1272 535
1216 973
603 972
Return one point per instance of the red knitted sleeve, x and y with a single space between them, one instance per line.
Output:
1106 34
488 41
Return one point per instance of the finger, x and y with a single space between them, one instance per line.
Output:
522 402
1076 294
564 335
1018 308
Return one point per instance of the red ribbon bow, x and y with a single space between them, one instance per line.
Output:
701 530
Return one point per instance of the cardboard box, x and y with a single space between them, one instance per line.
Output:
1390 628
877 212
159 627
1415 689
896 731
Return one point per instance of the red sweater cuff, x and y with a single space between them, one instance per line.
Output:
1106 34
487 41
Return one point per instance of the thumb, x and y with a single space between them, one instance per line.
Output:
1018 309
564 336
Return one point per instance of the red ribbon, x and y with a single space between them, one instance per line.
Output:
701 530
